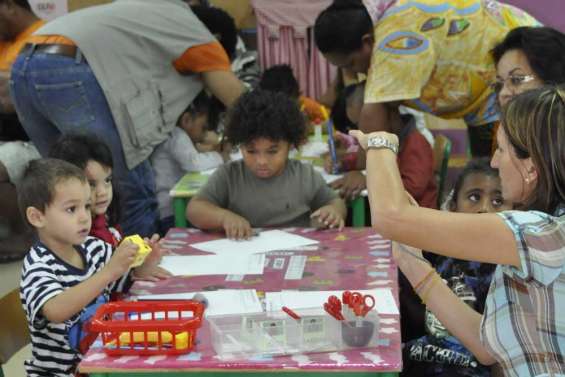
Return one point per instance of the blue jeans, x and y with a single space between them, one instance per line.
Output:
55 94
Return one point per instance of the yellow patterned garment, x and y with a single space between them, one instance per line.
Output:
434 55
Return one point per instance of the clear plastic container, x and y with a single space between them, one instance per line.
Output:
276 333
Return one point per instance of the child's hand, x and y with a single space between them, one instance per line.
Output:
150 269
327 217
122 258
351 185
328 164
211 138
203 148
236 227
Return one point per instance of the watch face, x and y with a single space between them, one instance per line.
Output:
376 142
380 142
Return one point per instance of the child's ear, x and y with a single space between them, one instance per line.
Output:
35 217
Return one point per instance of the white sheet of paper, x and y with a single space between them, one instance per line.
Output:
385 303
208 172
266 241
227 301
273 301
196 265
329 178
314 149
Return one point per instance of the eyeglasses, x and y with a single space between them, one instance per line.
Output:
514 81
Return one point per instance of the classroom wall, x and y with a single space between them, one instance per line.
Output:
78 4
240 10
549 12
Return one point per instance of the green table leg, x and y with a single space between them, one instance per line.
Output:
179 208
358 211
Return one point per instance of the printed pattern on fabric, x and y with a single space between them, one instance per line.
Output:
443 46
55 346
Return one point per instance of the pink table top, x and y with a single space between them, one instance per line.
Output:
355 259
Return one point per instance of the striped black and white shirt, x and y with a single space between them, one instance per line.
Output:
45 275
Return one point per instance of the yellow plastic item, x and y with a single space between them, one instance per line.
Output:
181 340
142 251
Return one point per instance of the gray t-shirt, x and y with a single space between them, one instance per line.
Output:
284 200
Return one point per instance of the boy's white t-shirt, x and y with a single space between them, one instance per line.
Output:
172 159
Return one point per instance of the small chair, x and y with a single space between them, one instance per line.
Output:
14 334
442 151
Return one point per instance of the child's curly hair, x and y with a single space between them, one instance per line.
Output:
265 114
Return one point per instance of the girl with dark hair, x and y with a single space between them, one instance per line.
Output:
94 157
431 55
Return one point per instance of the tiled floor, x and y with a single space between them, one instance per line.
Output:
9 279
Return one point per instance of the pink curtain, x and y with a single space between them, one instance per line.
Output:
285 36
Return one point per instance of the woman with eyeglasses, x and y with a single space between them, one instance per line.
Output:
523 325
431 55
528 58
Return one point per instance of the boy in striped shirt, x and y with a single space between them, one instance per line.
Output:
66 274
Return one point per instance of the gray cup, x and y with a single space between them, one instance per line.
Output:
357 336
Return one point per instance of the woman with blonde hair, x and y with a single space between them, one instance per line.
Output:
521 328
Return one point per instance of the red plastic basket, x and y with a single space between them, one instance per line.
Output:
149 327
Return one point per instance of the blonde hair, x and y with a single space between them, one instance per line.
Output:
534 123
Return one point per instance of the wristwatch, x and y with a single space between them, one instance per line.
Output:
379 142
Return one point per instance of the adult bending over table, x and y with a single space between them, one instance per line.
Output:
432 55
522 327
124 71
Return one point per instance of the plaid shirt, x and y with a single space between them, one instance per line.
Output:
523 326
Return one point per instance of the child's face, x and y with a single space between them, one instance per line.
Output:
264 157
194 126
67 219
481 193
100 181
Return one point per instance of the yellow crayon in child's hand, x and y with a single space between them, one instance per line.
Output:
142 251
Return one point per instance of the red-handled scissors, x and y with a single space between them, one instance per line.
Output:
346 298
331 310
334 302
361 304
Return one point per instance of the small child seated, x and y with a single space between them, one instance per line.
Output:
477 190
265 189
66 274
279 78
415 157
185 151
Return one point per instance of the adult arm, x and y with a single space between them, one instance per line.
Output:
458 317
224 85
478 237
212 63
